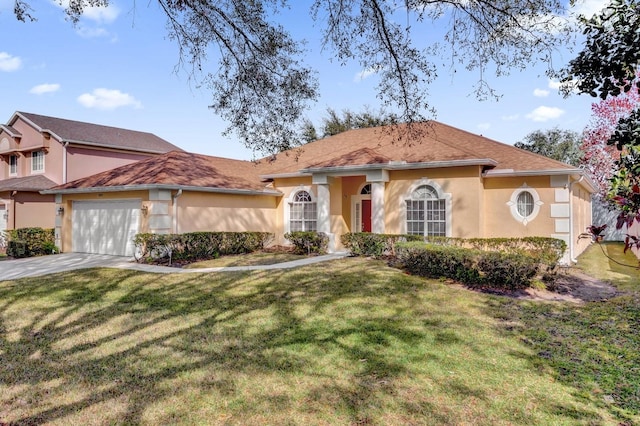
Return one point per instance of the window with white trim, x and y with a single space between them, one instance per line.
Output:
37 161
13 165
303 213
426 213
525 204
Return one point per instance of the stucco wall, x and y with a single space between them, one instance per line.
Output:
581 200
200 211
28 209
464 185
82 162
499 221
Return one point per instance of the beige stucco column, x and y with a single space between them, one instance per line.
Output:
378 178
323 203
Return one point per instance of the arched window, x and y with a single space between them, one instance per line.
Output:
366 190
426 213
303 213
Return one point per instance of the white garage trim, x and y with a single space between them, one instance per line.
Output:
106 226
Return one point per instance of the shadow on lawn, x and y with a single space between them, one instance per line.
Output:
337 344
593 349
100 339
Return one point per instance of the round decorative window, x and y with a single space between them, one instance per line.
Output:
524 204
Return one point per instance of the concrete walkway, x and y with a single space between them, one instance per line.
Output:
43 265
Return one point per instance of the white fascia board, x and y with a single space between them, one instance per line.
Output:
168 187
392 165
111 147
576 173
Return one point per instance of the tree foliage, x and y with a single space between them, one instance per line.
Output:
607 67
561 145
262 86
334 123
600 156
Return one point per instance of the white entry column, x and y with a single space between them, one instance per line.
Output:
323 204
378 178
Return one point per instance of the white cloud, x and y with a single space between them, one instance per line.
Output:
364 74
41 89
513 117
553 84
107 99
101 15
540 93
88 32
484 126
9 63
588 8
545 113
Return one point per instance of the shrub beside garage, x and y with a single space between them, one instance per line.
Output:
28 242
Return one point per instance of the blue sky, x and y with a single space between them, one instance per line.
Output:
117 68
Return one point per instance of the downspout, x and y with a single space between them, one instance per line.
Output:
571 233
175 211
13 204
64 161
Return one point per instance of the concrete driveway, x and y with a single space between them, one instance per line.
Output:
43 265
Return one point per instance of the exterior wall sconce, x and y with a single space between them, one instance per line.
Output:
145 210
60 211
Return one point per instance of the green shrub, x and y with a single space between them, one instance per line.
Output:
16 248
37 242
198 245
508 271
369 244
438 261
308 242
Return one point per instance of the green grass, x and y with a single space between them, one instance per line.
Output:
250 259
345 342
609 263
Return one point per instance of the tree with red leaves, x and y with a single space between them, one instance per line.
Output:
599 157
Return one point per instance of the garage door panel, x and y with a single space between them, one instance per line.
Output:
105 227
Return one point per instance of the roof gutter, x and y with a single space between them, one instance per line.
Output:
99 145
391 165
578 173
120 188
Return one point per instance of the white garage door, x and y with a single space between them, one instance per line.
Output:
105 227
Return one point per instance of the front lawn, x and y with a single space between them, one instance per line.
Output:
345 342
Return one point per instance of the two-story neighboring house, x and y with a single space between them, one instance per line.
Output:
39 152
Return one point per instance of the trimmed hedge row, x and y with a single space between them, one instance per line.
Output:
473 267
197 245
369 244
308 242
28 242
548 251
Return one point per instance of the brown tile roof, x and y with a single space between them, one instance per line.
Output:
434 142
177 169
33 183
95 134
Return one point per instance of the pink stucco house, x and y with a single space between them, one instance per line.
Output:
444 182
39 152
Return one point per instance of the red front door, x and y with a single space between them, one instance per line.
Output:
366 215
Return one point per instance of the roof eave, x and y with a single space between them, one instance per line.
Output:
576 173
120 188
113 147
391 165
